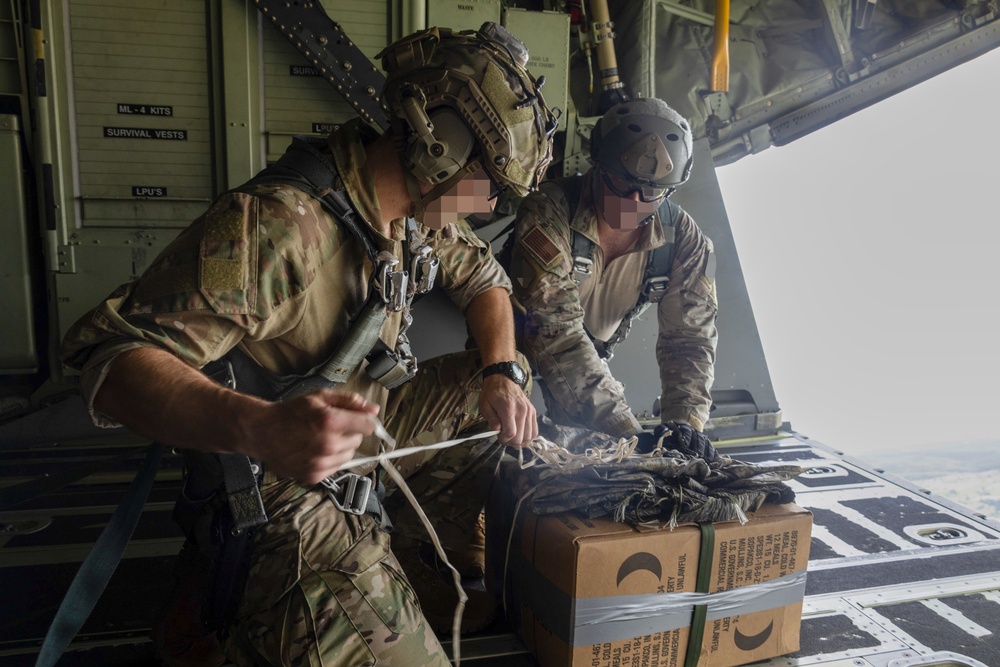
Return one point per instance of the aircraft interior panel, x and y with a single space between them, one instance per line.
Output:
18 350
547 36
142 112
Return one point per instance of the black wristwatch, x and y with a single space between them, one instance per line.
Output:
509 369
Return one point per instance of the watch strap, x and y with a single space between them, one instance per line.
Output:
510 370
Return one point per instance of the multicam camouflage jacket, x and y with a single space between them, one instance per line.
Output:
558 313
270 271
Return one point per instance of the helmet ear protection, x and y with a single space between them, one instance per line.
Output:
438 145
499 120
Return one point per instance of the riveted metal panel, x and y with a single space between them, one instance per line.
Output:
297 100
142 111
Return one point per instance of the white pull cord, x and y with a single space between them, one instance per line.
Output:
399 453
384 459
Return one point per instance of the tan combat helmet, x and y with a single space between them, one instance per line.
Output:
465 100
645 144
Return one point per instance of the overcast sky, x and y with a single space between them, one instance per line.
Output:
870 250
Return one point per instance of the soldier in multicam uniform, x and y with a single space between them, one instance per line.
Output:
572 304
267 271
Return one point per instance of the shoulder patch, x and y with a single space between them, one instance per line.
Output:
541 246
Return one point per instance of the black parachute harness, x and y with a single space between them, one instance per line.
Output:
656 276
655 279
233 521
393 287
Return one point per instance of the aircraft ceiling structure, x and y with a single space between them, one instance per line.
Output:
795 65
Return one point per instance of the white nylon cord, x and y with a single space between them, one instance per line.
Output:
406 451
384 459
544 453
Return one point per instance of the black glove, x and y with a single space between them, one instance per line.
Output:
690 441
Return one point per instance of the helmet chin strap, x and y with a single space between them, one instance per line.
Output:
418 202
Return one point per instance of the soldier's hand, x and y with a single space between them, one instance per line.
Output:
506 408
690 441
310 437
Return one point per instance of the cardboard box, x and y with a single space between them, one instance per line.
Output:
595 593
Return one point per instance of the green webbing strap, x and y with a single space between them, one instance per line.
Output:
361 337
705 559
100 564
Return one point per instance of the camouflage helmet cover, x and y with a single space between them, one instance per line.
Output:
482 75
643 141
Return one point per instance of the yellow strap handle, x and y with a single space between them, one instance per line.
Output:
720 57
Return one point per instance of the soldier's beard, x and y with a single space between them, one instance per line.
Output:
467 197
626 213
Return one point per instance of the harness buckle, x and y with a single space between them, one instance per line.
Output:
391 284
397 291
424 270
392 368
655 288
581 268
354 490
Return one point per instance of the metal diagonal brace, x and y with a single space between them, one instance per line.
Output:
335 57
689 13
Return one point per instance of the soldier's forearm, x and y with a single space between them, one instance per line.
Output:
156 395
687 398
491 321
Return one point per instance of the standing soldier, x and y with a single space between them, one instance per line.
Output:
302 279
591 252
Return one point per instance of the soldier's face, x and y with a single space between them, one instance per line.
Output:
624 212
470 196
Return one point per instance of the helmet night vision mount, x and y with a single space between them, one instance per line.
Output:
644 142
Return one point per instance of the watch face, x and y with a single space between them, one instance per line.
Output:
509 369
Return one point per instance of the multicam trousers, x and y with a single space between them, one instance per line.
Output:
324 587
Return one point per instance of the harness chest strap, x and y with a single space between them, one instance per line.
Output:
394 283
306 167
656 277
